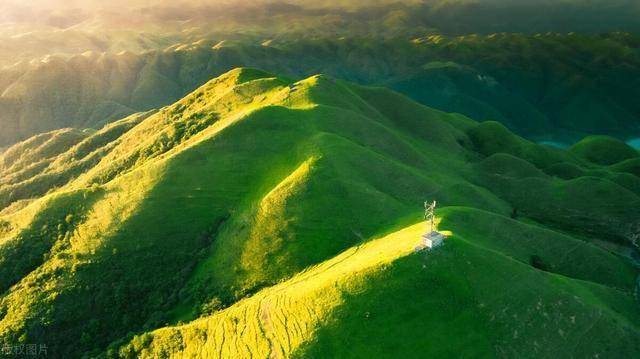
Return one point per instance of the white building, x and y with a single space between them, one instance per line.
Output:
431 240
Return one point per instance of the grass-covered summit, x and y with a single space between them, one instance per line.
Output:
268 217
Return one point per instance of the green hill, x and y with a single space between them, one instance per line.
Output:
273 217
604 150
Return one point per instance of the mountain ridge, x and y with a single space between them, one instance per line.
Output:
187 213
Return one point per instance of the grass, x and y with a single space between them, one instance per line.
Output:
460 299
603 150
477 299
286 313
265 216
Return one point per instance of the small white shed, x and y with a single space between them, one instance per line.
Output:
431 240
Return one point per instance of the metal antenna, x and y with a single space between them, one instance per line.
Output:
429 214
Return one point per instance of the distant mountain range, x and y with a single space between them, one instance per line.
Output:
37 28
545 87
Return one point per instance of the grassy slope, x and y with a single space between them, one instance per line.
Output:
278 319
459 300
41 164
180 187
253 178
604 150
468 299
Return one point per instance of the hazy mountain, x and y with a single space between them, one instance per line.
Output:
545 87
72 27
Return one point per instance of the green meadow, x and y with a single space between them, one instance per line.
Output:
265 216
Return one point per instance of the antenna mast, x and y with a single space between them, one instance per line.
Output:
429 214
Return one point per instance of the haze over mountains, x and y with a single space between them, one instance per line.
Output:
141 55
67 27
136 56
443 15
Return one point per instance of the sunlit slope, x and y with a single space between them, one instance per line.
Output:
277 320
479 295
49 161
233 188
178 213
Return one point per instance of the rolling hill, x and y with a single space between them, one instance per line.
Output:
260 214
